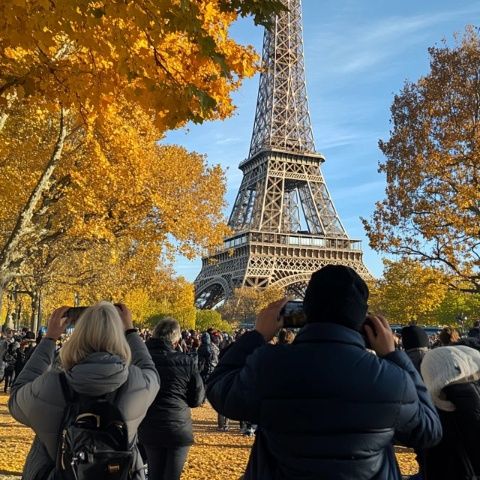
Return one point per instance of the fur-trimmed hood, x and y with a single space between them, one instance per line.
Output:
448 365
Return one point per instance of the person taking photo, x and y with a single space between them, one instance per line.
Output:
104 357
326 408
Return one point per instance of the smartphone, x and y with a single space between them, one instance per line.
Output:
293 315
73 314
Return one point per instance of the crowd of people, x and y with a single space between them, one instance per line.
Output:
329 401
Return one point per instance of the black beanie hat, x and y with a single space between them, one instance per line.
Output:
336 294
414 337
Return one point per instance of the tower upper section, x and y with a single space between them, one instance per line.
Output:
282 119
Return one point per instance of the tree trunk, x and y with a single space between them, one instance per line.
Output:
39 312
33 314
1 301
3 118
4 115
18 315
24 221
11 97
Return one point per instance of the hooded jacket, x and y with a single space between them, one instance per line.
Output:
208 354
326 408
168 422
452 375
37 399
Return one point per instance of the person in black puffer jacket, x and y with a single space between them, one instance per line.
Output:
326 408
452 375
208 354
166 433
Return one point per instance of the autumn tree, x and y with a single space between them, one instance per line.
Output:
458 307
206 319
174 59
113 183
246 302
432 207
115 271
408 291
176 301
92 86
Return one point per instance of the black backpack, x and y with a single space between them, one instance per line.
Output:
93 439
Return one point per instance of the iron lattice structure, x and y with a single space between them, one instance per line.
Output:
284 222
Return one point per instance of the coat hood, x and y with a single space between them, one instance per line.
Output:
206 338
448 365
159 344
100 373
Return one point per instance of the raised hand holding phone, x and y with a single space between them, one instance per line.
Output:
57 323
379 335
268 321
125 315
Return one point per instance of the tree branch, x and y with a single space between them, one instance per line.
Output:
24 220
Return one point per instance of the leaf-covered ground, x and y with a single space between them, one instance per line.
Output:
216 455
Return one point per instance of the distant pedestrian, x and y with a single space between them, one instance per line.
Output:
10 360
208 354
448 336
415 343
285 337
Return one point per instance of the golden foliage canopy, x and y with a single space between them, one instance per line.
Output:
174 59
247 302
408 291
206 319
115 181
87 88
432 205
458 307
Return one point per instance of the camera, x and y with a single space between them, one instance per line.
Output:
293 315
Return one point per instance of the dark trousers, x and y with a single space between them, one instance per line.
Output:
165 463
9 377
222 422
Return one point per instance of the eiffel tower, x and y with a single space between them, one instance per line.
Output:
284 224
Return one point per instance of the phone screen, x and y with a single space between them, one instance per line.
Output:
73 314
293 314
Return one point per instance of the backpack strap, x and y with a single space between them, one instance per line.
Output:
112 396
68 392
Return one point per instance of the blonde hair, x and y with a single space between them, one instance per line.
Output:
99 329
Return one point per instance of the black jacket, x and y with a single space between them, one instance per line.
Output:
416 356
326 408
461 435
208 354
168 421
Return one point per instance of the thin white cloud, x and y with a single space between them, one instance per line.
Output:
369 44
228 141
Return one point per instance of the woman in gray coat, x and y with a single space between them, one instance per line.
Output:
103 355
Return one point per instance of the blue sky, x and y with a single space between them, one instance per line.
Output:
358 55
